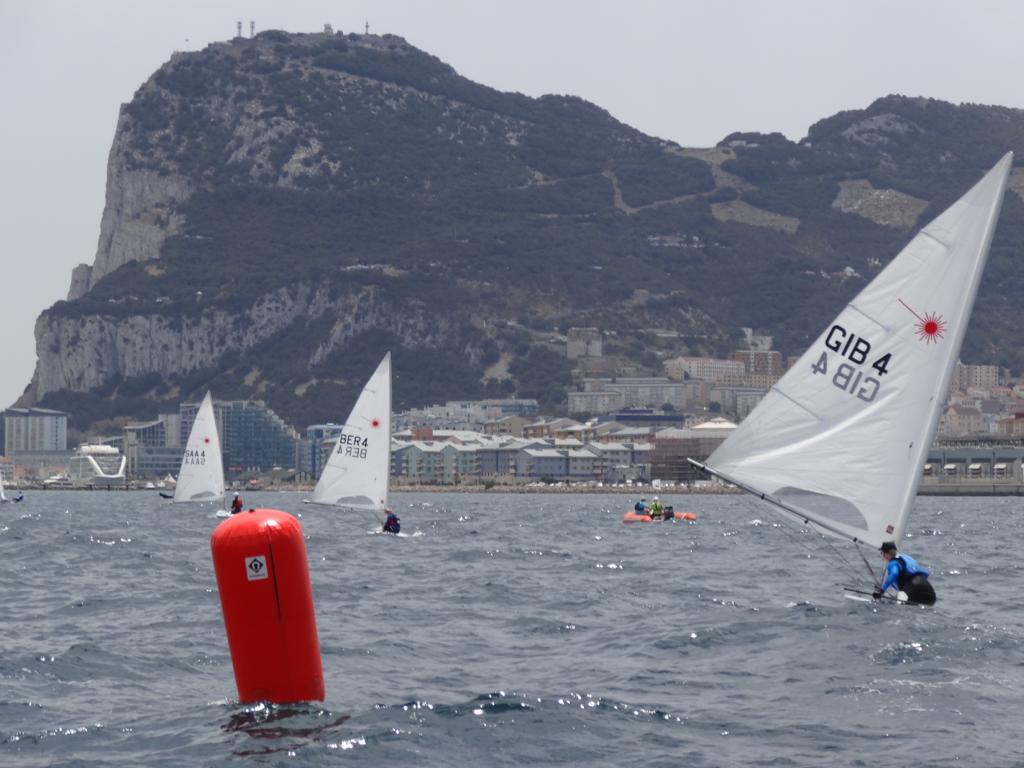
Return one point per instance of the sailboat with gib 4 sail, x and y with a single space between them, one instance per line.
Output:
840 441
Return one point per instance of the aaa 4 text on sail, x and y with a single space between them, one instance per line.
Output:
856 349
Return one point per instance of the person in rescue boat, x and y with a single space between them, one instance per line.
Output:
391 524
641 506
236 504
904 572
656 509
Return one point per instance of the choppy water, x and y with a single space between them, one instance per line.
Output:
514 630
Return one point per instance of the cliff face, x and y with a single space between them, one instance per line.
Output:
281 210
87 352
139 214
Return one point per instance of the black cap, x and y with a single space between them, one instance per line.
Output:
887 546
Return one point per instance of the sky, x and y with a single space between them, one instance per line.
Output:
691 71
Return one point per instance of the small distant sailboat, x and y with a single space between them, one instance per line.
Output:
840 441
202 470
357 474
3 496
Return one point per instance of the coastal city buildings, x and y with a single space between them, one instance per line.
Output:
619 428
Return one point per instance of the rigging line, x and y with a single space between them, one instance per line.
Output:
752 502
831 544
871 571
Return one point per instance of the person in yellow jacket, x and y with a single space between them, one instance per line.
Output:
656 509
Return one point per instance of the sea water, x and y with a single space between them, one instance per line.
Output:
516 630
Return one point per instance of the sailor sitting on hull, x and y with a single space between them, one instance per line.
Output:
905 573
391 524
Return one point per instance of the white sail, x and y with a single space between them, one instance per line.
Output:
3 496
841 439
202 470
357 472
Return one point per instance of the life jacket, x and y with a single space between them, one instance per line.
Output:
904 577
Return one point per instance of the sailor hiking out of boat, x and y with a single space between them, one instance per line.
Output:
236 504
391 524
906 574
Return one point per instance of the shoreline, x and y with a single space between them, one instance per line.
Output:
464 488
926 489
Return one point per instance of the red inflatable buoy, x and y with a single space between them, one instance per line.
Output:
259 557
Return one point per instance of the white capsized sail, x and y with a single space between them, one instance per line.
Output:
202 469
357 473
840 441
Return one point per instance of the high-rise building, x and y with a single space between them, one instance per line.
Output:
34 430
321 439
965 376
704 368
765 361
253 437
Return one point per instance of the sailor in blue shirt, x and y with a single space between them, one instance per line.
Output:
903 572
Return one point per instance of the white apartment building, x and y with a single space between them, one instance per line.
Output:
703 368
984 376
595 402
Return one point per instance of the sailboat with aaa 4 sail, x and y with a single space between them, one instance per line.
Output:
358 471
202 469
840 441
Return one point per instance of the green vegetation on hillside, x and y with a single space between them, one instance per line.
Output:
363 168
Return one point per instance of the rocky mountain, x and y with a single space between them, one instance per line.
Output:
282 209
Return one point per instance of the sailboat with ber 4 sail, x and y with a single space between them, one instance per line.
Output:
357 474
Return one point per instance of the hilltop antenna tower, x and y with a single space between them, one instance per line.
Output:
252 29
239 29
367 27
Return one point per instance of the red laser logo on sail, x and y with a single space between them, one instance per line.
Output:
375 423
930 328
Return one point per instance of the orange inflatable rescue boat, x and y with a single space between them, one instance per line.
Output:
635 517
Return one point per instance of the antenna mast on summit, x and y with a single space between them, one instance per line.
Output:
367 27
239 29
252 29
